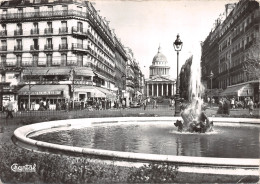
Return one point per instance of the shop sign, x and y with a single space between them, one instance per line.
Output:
40 93
82 82
246 91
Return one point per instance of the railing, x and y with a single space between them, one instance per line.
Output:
63 46
3 48
48 47
77 30
34 31
18 48
34 47
18 32
48 30
3 33
63 30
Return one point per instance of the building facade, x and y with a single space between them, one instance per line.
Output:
234 35
54 43
159 83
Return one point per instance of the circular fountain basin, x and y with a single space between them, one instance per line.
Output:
181 152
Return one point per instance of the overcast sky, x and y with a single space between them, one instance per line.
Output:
143 25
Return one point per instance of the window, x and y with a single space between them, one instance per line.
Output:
49 59
19 44
64 43
63 59
80 26
49 43
4 13
79 60
36 11
64 8
64 28
3 60
18 60
35 44
3 45
50 9
35 59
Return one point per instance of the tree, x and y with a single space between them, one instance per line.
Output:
251 64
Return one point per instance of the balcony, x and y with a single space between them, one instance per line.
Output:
34 31
25 64
3 48
3 33
63 30
34 47
18 48
70 62
48 30
18 32
79 47
48 47
63 46
77 30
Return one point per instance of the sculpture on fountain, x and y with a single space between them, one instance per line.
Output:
194 118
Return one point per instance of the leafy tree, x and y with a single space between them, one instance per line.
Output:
251 64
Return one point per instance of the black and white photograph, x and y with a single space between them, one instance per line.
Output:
129 91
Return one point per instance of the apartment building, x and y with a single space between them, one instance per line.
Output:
64 45
234 36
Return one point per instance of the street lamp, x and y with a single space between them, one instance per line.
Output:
211 76
71 78
177 47
123 88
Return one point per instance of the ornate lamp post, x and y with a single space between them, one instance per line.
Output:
211 76
177 47
123 88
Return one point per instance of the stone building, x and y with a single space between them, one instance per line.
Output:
159 83
65 46
235 33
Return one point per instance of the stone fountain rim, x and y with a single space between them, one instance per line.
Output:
22 139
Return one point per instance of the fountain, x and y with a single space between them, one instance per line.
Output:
194 118
224 156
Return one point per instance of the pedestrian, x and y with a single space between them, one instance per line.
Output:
9 109
145 103
123 103
33 105
233 103
250 106
226 106
220 106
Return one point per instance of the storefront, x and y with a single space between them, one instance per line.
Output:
239 91
49 94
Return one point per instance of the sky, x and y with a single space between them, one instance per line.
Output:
144 25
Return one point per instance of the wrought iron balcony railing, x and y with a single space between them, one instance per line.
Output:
34 31
48 47
48 30
63 46
18 32
18 48
63 30
34 47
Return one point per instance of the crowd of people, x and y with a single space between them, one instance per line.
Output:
225 104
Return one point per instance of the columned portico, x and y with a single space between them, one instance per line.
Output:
159 83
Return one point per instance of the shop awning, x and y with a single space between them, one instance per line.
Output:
90 89
84 71
239 90
59 71
43 90
108 93
36 71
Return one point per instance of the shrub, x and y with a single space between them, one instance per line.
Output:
154 173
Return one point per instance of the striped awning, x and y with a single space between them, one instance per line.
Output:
84 71
43 90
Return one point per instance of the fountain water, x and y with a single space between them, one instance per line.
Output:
193 117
